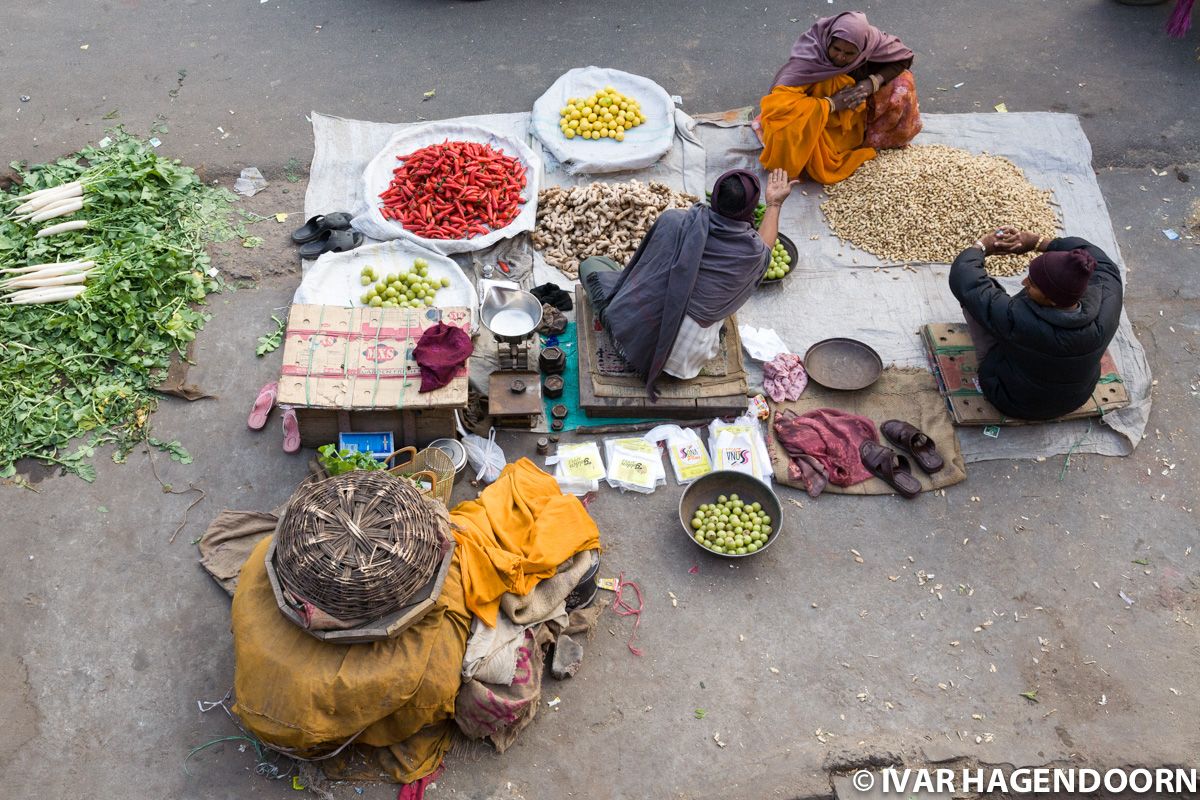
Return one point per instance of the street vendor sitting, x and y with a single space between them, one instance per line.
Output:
844 91
1039 351
693 269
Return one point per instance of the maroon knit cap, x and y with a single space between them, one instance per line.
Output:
1062 275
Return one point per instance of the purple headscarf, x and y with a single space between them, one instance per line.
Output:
750 191
809 61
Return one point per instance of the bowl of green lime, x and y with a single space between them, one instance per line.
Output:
731 514
783 258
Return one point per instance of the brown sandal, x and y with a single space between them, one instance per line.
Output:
909 438
891 467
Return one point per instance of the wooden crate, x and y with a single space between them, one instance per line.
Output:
321 426
952 358
705 403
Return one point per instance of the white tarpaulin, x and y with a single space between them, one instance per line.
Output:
835 289
828 293
643 145
378 176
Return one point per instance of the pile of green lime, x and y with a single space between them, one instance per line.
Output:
781 262
731 526
412 289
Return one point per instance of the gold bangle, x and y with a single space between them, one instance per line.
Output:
1038 246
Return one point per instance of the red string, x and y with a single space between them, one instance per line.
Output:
623 609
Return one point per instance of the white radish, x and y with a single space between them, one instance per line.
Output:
55 203
62 227
55 280
67 265
58 210
33 203
54 295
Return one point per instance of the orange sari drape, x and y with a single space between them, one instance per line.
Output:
800 134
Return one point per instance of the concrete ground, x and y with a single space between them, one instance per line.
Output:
804 662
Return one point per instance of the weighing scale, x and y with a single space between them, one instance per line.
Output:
512 316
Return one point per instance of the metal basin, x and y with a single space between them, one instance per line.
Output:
502 305
845 364
748 488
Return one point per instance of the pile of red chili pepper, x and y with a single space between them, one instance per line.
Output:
454 190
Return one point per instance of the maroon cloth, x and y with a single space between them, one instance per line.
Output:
809 61
440 352
830 438
1063 275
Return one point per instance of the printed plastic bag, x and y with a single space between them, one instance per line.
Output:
634 465
685 451
740 446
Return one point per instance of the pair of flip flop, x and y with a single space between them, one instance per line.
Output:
326 233
895 469
262 409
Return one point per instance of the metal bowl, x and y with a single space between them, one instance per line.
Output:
792 252
746 487
501 298
846 364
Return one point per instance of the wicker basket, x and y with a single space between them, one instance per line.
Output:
431 459
359 545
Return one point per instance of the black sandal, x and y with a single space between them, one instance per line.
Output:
891 467
317 225
332 242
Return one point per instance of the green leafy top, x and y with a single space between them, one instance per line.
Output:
337 461
86 367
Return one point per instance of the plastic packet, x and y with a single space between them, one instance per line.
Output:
685 450
741 447
578 467
634 465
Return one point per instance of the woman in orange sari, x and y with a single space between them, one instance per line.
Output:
816 117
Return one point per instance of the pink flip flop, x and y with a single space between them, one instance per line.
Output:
291 430
262 406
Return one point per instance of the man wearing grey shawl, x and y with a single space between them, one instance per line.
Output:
693 269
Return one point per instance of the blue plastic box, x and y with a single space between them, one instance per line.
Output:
379 444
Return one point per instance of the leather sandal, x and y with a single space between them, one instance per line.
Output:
262 406
891 467
317 225
921 447
331 242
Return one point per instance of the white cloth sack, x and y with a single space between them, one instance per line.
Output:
335 279
378 176
643 145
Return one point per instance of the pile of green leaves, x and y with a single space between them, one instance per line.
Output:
337 461
81 373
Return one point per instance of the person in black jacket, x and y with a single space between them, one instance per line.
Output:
1039 351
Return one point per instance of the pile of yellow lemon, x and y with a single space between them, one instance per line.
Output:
607 114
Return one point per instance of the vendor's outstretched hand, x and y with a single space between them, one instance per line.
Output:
778 187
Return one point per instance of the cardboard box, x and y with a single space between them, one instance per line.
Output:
352 369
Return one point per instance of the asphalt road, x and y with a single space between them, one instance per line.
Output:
232 81
113 633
